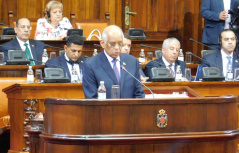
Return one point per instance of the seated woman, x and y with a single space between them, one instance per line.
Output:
54 26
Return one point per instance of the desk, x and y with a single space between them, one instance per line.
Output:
209 89
23 99
23 96
130 125
16 70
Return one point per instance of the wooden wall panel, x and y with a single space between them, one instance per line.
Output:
159 18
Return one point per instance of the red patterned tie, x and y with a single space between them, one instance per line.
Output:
171 70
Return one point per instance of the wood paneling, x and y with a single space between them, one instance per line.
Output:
159 18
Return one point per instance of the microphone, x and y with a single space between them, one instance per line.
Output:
32 59
1 23
123 68
97 45
205 60
191 39
54 47
141 45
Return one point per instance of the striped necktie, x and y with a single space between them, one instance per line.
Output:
171 70
28 54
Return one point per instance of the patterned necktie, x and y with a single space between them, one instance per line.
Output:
28 54
116 70
171 70
229 61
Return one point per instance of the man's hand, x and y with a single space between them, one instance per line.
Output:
223 15
143 79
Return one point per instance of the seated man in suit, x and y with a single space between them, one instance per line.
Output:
226 56
106 66
169 59
33 48
126 49
72 58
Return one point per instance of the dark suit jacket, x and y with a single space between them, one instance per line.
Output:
36 49
215 60
210 10
160 64
98 69
60 61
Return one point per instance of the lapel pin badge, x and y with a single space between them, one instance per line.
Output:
82 61
236 61
124 63
33 46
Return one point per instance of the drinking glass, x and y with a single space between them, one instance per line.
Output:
38 75
52 55
115 92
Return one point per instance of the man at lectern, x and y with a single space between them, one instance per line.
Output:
113 68
169 59
33 48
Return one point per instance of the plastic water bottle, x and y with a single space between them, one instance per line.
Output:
74 77
95 52
102 90
30 75
180 55
229 75
44 57
178 76
142 57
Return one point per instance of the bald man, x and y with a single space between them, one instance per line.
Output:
106 66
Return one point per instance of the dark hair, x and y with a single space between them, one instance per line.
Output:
75 39
225 30
17 22
127 36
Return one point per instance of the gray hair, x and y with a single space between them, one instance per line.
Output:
168 40
105 32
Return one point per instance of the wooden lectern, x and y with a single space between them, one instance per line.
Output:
189 125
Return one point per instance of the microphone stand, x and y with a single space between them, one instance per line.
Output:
54 47
123 68
141 45
191 39
205 60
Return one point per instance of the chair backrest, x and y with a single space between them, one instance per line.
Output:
91 27
158 54
61 52
12 22
207 52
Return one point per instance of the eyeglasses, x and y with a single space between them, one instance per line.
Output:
113 44
23 27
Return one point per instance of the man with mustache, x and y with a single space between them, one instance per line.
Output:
107 67
170 49
33 48
227 41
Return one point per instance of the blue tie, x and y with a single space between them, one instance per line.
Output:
229 61
116 70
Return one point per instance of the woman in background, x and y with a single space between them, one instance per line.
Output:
54 26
